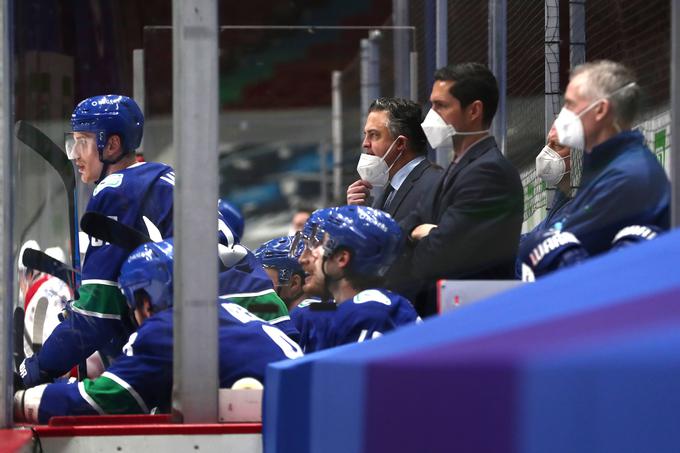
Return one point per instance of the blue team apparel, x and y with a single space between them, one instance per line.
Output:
109 115
141 379
367 315
139 196
248 285
622 184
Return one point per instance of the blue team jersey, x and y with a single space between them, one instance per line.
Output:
367 315
140 196
247 284
141 379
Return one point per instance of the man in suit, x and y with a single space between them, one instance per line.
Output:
393 135
394 158
468 226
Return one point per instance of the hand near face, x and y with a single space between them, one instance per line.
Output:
358 192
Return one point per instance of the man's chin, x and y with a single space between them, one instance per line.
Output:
312 290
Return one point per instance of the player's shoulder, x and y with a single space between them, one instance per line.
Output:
134 178
311 308
376 295
306 303
155 327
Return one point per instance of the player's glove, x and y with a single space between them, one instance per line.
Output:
31 374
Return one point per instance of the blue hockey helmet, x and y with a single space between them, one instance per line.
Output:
634 234
553 250
371 235
233 218
280 255
108 115
312 229
149 268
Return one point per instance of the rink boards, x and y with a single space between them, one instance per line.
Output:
584 360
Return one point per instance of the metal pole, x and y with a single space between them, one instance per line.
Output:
443 153
552 62
413 68
7 207
323 164
498 10
442 32
195 112
370 73
577 32
138 86
400 39
675 114
336 132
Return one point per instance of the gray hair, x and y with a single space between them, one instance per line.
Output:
614 81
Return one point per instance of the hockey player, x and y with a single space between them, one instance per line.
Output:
245 283
281 264
233 217
357 246
141 379
106 131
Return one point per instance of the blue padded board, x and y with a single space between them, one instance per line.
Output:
476 379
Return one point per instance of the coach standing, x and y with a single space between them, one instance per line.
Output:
468 226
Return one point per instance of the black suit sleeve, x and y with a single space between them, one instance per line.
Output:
476 228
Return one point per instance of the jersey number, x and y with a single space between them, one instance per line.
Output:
288 346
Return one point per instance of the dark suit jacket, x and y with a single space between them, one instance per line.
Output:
478 214
421 181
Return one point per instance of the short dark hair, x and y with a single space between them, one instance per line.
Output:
473 82
359 282
403 118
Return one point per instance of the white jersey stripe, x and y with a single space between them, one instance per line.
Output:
259 293
99 282
88 398
94 314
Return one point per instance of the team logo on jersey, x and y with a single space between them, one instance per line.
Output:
114 180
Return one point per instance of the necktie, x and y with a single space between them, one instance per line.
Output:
386 199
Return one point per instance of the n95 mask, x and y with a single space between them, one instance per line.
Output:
550 166
374 169
438 131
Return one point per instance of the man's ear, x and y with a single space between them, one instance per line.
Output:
603 109
148 310
343 258
475 111
113 147
296 282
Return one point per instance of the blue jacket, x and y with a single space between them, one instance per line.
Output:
622 184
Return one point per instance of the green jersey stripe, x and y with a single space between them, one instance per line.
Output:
101 299
112 397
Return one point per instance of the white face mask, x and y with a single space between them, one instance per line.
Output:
550 166
374 169
437 130
569 126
